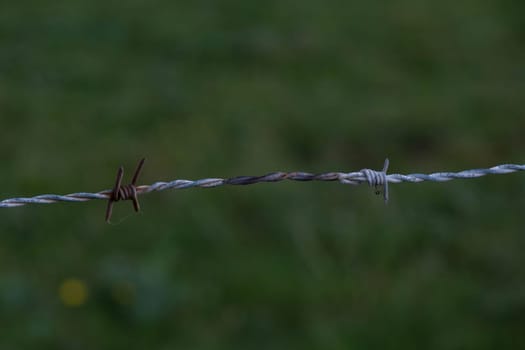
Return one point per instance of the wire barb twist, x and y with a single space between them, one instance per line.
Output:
124 192
377 179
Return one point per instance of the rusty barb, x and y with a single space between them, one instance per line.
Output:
378 179
121 193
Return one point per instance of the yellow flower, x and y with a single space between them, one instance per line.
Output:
73 292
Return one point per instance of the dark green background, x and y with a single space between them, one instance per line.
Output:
226 88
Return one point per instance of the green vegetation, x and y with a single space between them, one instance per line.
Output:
205 89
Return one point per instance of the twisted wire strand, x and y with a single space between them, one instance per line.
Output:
372 177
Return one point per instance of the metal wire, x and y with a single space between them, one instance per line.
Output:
372 177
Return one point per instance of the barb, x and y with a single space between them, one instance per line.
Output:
373 178
124 192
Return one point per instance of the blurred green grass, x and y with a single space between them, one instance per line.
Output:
207 89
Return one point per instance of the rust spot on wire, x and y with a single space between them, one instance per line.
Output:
127 192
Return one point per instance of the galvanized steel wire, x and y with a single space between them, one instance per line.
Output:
379 179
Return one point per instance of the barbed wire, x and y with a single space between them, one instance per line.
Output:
378 179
